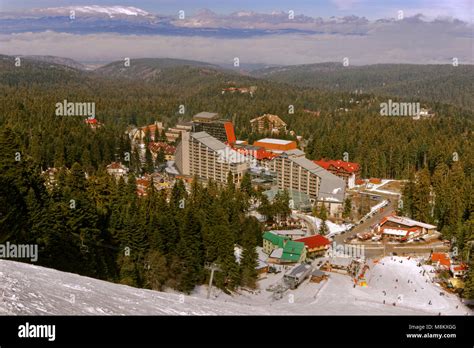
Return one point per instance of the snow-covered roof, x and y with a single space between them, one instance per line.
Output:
289 232
332 187
395 232
294 152
298 270
277 253
170 168
409 222
207 115
275 141
340 261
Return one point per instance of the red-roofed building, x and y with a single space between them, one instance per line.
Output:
315 245
375 181
167 149
117 170
259 153
93 122
349 171
459 270
142 185
401 228
441 260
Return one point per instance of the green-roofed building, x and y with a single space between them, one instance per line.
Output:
272 241
293 252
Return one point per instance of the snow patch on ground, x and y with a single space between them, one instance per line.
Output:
332 227
32 290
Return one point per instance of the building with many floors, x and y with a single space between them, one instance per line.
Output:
212 124
301 174
268 123
199 154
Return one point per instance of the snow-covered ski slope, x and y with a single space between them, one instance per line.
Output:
31 290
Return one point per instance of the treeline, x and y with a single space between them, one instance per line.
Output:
412 82
100 228
388 147
445 197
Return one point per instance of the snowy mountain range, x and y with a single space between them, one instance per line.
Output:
94 10
133 20
276 38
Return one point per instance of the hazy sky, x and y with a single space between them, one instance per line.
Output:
408 41
461 9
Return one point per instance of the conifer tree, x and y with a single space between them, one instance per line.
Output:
149 165
347 208
248 263
422 196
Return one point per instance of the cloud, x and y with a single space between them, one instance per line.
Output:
460 9
398 42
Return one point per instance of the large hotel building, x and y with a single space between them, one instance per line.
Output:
208 158
296 172
212 124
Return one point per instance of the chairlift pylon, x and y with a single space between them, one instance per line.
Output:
84 248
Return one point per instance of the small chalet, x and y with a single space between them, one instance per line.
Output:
338 264
142 186
117 170
441 260
349 171
93 122
458 270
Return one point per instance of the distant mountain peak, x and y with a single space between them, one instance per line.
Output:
111 11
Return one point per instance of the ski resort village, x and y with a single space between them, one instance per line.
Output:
332 242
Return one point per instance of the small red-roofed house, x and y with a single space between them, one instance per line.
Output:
117 170
441 260
142 186
459 270
93 122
